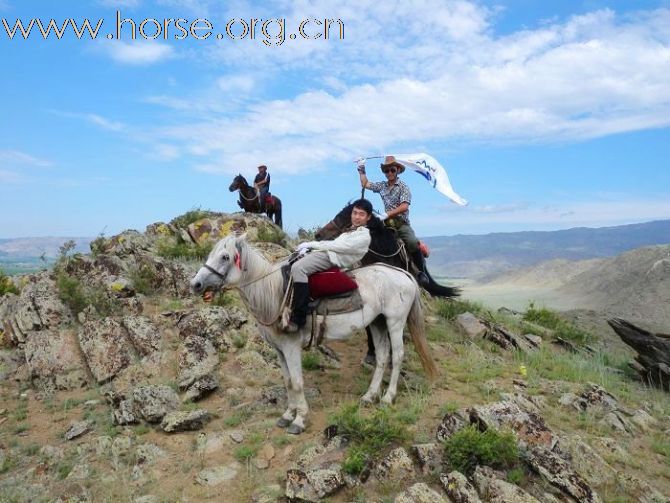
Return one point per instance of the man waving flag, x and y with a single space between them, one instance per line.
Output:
428 167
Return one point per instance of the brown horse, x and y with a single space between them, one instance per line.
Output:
249 201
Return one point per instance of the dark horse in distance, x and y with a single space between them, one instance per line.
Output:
249 201
384 247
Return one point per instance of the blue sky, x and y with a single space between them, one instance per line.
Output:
546 115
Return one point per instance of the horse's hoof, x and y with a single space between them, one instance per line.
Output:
367 400
294 429
283 423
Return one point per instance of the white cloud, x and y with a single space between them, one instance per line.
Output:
104 123
137 53
120 3
16 158
438 75
7 176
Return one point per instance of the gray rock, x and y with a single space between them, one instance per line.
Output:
153 402
103 446
495 490
529 426
143 334
185 421
214 323
420 493
105 347
148 454
80 471
596 396
121 448
123 409
429 456
396 466
218 474
237 436
643 420
451 423
560 474
197 359
586 461
471 325
617 422
458 488
326 481
77 429
54 360
201 387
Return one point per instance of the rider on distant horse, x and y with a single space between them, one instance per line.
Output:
344 251
396 197
262 184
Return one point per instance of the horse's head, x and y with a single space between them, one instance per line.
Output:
337 225
238 182
223 266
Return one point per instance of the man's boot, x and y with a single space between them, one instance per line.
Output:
299 309
420 263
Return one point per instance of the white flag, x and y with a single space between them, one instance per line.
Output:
428 167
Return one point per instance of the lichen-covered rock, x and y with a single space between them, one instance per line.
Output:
105 347
201 387
529 426
596 396
299 488
396 466
77 429
617 422
154 402
54 360
185 421
429 456
495 490
587 462
123 409
451 423
458 488
420 493
197 359
326 481
213 323
213 229
559 473
144 335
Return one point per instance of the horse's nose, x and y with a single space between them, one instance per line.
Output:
196 286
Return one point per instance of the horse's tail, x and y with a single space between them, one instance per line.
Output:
437 290
417 330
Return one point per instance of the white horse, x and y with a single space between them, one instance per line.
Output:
390 299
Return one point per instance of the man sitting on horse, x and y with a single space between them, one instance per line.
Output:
344 251
262 185
396 197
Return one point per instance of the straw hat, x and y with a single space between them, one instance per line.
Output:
390 161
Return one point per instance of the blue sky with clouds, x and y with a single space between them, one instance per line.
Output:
547 115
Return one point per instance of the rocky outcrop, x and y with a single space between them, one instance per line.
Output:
475 328
420 493
458 488
496 490
54 360
144 335
653 352
106 348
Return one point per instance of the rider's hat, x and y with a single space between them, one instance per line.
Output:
263 166
390 162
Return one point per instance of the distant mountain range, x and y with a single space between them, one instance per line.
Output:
35 247
468 256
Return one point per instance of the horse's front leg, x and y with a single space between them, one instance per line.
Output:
397 354
289 414
381 343
293 356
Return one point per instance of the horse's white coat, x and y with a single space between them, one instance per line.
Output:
386 291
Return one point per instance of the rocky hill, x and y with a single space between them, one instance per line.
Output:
465 256
117 384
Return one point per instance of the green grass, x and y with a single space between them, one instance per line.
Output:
8 463
271 234
370 433
6 285
469 447
63 469
176 248
450 309
562 328
144 279
661 445
311 361
237 418
190 217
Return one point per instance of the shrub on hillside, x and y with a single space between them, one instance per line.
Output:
6 285
190 217
469 447
562 328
